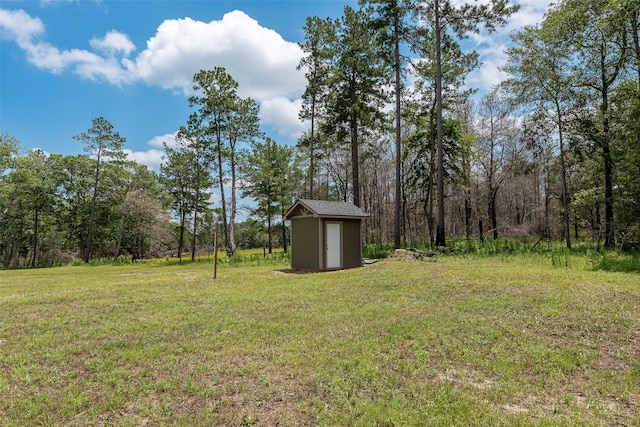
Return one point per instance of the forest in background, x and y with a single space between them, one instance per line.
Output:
552 153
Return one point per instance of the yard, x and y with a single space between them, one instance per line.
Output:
461 341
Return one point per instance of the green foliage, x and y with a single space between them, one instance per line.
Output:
269 173
377 250
104 146
616 261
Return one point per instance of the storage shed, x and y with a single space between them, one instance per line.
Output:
325 235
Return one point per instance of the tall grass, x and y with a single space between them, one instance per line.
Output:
585 254
616 261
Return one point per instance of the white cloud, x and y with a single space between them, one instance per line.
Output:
27 31
19 26
487 76
282 114
169 139
152 159
492 57
531 12
258 58
112 43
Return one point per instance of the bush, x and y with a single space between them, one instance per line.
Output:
616 261
377 250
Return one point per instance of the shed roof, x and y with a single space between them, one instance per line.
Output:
325 209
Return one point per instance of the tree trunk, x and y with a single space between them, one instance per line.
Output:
440 235
547 202
34 242
183 218
396 47
597 229
232 216
9 253
269 231
222 197
431 185
635 14
609 238
311 146
467 214
565 191
284 233
493 216
94 199
355 161
195 227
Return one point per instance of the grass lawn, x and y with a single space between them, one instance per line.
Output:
461 341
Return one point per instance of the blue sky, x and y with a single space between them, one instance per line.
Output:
65 62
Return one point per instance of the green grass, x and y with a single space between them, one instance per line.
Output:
466 340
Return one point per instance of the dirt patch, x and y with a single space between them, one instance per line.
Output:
461 377
514 409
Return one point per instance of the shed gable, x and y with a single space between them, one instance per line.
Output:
325 209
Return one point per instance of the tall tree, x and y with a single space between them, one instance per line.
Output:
422 114
26 197
392 19
319 36
243 126
444 16
498 148
196 151
146 183
35 185
266 169
145 223
539 65
9 147
626 116
600 51
72 177
357 81
104 145
216 95
177 172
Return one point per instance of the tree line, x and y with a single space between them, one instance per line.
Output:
553 152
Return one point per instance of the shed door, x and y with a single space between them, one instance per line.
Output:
334 249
